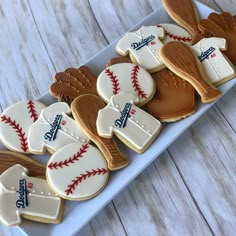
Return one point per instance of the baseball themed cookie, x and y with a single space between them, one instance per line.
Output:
117 60
216 66
77 172
28 197
125 77
85 110
174 98
180 59
54 129
9 159
15 122
133 126
143 46
175 33
72 83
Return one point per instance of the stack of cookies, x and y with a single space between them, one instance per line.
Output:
153 80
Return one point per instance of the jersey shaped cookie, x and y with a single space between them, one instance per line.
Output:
174 98
133 126
54 129
73 82
143 46
28 197
77 172
15 122
85 110
175 33
217 67
125 77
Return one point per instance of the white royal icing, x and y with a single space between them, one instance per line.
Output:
215 64
54 129
15 122
175 33
21 194
144 45
122 117
77 171
126 77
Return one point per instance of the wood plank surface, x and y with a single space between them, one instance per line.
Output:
188 190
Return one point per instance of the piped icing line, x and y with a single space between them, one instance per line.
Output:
75 157
136 85
82 177
114 80
31 110
18 130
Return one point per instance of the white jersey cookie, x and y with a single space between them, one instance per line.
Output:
126 77
15 122
77 172
132 125
54 129
27 196
175 33
217 67
143 47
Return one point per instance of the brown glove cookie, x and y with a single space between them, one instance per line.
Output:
222 26
73 82
174 98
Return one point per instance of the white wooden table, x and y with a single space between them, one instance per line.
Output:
191 188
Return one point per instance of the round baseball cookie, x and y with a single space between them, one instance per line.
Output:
175 33
126 77
77 172
15 122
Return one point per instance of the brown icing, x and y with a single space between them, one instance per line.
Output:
117 60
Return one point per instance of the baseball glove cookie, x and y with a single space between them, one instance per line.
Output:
72 83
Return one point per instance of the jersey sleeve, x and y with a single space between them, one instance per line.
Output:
122 46
104 128
219 43
124 97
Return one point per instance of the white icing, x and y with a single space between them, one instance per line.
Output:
89 159
122 73
148 55
175 33
216 66
140 127
39 205
18 114
39 139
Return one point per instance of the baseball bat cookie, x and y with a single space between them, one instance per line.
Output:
133 126
77 172
180 59
54 129
9 159
175 33
73 82
27 197
118 60
125 77
15 122
143 47
85 110
174 98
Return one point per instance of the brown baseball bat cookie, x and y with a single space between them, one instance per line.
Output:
174 98
85 110
180 59
72 83
185 14
117 60
222 26
9 159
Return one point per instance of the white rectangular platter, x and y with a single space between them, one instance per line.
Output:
77 214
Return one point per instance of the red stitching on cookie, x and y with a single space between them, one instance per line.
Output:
18 129
134 78
83 177
114 80
175 37
31 110
61 164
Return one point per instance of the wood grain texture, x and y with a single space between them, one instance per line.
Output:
190 190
